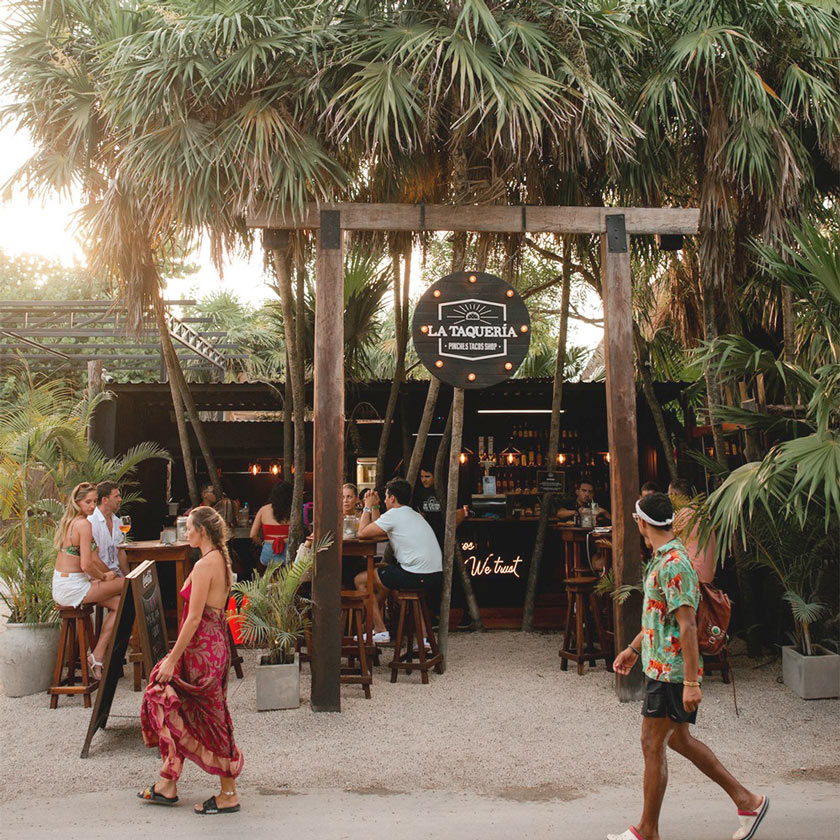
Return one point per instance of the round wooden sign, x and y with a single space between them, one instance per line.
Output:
471 330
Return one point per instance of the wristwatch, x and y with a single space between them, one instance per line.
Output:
366 510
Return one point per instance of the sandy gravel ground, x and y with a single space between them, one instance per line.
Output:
504 720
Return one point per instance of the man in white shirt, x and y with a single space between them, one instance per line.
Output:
105 525
419 560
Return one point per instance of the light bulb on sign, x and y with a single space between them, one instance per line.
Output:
275 469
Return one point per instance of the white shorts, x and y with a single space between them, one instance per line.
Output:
69 588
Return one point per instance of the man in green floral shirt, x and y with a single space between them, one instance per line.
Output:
672 665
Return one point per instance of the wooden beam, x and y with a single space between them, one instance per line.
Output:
621 428
328 449
481 219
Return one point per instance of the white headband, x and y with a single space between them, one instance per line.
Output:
640 513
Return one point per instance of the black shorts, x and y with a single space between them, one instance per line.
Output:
664 699
395 576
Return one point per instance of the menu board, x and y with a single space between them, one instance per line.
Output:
140 598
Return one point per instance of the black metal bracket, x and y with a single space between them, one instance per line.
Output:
616 233
330 229
275 238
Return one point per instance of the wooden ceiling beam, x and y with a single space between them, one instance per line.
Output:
481 218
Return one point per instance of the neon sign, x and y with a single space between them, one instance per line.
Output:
491 564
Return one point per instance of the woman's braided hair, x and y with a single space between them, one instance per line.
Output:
210 521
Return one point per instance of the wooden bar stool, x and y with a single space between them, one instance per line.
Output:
577 636
76 635
353 606
413 622
718 662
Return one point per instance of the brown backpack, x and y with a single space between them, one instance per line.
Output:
713 614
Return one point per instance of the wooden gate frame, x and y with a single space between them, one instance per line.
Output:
614 225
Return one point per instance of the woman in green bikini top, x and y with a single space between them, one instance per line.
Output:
76 550
80 577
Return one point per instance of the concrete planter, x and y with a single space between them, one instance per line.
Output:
278 686
811 677
27 658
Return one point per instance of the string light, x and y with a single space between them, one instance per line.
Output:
473 278
438 364
561 458
471 377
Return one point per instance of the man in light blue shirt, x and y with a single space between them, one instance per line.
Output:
105 525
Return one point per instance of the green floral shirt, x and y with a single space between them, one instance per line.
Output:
670 582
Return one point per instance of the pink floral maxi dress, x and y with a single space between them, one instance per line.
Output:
188 717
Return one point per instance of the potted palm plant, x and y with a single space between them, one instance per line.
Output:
274 616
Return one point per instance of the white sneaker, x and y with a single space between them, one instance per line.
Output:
750 820
382 638
630 834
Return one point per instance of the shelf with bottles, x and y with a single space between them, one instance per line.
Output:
526 449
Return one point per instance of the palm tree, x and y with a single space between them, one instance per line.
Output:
737 103
54 67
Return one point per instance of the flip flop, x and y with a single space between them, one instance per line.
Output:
750 820
209 808
151 797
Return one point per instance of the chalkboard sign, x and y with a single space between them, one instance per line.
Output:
140 597
471 329
551 482
148 607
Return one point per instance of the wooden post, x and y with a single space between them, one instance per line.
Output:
328 449
621 426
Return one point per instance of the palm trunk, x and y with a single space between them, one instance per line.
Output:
198 427
288 426
423 431
553 439
653 402
283 269
177 402
399 371
457 414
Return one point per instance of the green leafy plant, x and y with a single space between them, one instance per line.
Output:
26 581
785 509
44 452
277 614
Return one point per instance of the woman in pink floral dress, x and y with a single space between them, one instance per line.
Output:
185 710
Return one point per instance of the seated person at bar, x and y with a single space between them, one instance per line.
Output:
703 559
350 565
349 500
584 496
427 503
228 508
271 525
419 560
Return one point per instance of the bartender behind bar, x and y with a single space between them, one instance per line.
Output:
582 501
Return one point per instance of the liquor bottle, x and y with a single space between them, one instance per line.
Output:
481 451
490 447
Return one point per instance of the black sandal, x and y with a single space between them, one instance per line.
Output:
152 797
209 808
